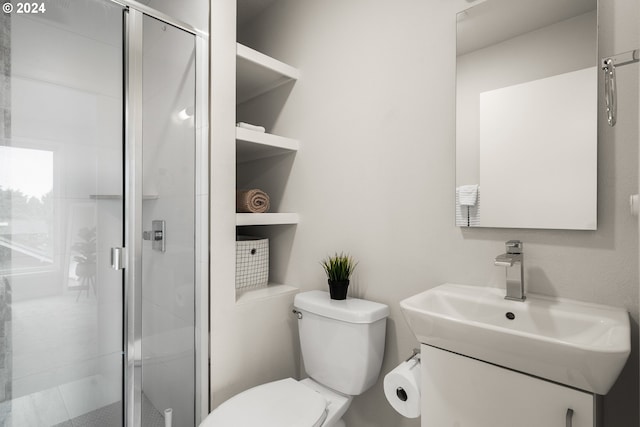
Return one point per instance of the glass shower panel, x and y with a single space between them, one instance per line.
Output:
168 187
61 210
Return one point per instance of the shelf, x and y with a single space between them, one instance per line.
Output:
257 73
269 291
251 145
267 219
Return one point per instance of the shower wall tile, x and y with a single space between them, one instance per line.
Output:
23 412
46 52
89 394
49 406
32 384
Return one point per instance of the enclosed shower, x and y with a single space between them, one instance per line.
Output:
103 217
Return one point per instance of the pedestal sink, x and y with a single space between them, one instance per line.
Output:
579 344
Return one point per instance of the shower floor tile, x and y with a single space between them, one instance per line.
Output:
111 416
107 416
151 417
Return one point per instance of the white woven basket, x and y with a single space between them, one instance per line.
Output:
252 262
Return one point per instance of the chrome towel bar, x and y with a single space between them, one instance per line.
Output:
609 65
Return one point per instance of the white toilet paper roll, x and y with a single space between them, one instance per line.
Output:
402 388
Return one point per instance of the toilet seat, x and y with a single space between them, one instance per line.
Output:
284 403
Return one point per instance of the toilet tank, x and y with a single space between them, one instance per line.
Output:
342 341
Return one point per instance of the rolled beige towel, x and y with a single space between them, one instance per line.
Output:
252 201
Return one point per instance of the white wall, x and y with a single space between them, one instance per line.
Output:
252 342
374 110
222 186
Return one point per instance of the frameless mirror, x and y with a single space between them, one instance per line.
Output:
526 114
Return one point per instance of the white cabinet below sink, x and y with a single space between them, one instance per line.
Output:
458 391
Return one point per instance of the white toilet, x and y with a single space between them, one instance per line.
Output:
342 346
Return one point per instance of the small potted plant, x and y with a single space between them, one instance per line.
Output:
339 269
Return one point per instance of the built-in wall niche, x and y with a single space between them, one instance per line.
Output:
247 10
264 160
280 238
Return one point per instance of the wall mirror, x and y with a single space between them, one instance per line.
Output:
526 114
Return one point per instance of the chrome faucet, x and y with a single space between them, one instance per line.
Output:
515 276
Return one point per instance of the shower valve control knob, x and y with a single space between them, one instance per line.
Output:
152 235
156 235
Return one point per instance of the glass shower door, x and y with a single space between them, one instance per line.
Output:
168 218
61 210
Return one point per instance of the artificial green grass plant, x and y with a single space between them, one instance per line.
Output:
338 267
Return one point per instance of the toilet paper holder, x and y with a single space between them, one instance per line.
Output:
402 386
400 392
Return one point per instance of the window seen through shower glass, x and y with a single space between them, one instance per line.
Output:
27 214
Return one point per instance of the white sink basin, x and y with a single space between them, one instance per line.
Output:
575 343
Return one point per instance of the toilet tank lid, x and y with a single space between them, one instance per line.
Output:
352 310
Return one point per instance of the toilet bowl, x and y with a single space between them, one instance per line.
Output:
342 344
282 403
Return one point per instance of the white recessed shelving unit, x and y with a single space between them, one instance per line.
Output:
257 74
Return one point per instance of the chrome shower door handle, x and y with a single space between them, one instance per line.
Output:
569 418
118 256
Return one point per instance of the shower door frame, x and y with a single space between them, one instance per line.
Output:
132 330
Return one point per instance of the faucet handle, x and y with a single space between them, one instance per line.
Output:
514 246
